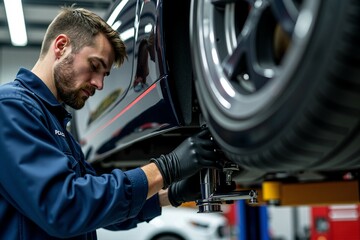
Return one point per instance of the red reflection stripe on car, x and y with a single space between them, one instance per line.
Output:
98 130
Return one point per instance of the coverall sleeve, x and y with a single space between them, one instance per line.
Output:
150 211
39 181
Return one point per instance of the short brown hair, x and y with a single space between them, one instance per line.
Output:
82 26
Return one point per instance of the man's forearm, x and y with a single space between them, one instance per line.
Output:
155 179
164 198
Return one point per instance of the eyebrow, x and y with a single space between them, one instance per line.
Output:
102 63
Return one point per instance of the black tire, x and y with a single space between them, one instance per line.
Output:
274 106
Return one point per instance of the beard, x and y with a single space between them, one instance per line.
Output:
65 84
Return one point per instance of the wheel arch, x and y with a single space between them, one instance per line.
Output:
176 17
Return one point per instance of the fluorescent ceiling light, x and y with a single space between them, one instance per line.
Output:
15 18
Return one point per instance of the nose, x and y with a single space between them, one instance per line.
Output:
98 81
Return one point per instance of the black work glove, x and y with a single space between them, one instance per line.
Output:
187 190
188 158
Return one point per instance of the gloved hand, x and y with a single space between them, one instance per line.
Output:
187 190
188 158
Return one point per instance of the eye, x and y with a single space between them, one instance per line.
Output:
94 67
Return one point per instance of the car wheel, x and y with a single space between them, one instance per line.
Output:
278 81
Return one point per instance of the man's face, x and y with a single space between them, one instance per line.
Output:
78 75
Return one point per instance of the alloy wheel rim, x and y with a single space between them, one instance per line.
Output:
248 55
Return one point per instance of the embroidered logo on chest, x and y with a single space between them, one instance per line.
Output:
59 133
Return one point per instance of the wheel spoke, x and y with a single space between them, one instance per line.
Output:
286 12
242 65
232 64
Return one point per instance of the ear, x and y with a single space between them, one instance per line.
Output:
60 44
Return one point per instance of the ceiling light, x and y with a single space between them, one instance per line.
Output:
15 18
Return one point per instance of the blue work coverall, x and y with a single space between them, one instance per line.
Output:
47 190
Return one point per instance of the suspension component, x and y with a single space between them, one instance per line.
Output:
218 188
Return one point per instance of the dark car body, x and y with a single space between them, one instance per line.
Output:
276 82
136 102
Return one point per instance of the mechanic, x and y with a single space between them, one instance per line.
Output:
47 190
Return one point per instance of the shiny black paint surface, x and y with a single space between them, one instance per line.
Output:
135 102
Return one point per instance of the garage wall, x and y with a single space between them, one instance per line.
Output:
12 58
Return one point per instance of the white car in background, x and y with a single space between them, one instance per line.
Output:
181 223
